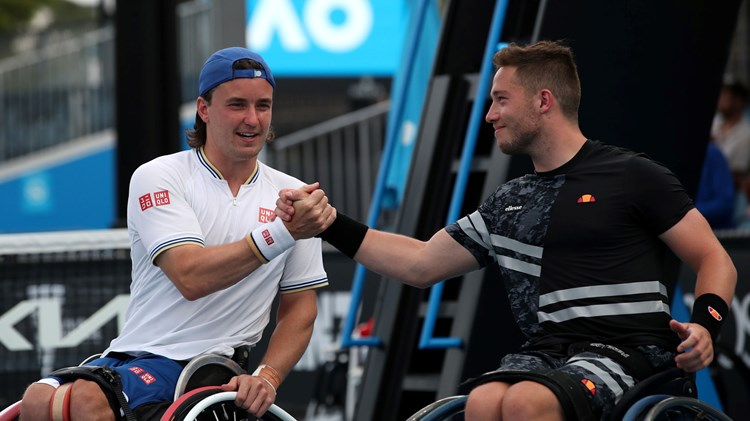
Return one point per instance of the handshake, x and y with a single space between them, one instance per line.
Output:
305 211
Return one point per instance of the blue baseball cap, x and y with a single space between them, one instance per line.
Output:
218 69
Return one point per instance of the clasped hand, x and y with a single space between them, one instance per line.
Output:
310 208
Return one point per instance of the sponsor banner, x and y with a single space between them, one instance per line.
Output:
735 331
314 38
56 309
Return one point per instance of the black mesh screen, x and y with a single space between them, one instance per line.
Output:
56 309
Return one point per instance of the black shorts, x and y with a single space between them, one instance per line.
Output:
602 380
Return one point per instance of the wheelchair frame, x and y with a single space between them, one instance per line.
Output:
668 392
647 401
200 402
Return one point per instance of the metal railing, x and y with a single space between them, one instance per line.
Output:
194 21
66 91
57 93
343 154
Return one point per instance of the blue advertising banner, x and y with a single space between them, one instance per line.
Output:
314 38
67 188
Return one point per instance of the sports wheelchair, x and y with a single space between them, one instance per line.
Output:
667 396
198 396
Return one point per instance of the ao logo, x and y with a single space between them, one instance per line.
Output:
336 26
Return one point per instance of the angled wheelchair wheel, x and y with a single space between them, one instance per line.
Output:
637 411
211 403
441 409
206 370
688 408
11 413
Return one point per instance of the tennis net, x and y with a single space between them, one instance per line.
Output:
62 298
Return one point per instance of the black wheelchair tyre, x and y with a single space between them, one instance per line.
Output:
442 409
684 408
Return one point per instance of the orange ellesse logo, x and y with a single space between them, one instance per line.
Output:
715 314
589 385
587 198
264 215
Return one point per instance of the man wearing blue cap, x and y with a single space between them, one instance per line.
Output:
207 259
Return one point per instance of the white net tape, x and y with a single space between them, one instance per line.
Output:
64 241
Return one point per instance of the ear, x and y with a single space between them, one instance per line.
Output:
202 109
546 100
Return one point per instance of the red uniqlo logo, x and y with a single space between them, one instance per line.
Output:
145 201
264 215
136 370
148 378
267 236
161 198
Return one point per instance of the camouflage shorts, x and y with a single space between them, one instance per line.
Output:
602 380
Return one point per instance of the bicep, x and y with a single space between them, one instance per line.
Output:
174 261
691 239
448 256
302 304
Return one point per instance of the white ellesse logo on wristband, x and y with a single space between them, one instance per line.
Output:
715 314
269 240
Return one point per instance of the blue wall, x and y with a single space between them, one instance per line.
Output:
75 194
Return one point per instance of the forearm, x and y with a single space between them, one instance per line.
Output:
411 261
198 271
286 347
695 244
717 276
396 256
291 336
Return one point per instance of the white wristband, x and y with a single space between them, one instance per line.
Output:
270 240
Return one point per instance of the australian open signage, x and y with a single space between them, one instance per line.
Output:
328 37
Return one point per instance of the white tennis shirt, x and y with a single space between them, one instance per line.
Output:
182 199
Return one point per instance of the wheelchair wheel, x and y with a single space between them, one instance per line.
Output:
441 409
686 408
211 403
11 413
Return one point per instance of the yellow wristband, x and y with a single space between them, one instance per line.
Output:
254 249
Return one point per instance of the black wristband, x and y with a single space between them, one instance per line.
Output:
345 234
709 311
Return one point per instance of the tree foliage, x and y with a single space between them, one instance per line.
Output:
16 14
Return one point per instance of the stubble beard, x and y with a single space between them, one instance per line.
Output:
520 144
